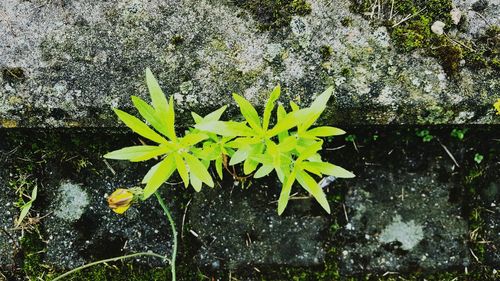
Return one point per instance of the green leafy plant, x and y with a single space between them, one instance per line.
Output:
458 134
293 155
177 153
425 135
478 158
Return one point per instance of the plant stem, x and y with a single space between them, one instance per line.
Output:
174 233
107 260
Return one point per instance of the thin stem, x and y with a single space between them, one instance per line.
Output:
174 233
107 260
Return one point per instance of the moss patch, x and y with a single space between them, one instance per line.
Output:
274 14
415 33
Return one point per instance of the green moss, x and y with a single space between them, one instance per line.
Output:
274 14
32 250
415 33
326 52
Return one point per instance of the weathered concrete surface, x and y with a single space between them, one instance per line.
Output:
491 203
66 63
9 244
402 221
240 228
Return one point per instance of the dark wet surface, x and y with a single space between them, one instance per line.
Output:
450 188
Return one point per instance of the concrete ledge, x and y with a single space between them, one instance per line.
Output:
66 63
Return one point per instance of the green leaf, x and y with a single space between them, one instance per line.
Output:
287 122
240 155
137 153
294 106
328 169
150 173
309 184
148 113
309 151
25 208
249 112
317 107
243 142
161 173
197 118
191 139
287 144
325 131
181 169
281 113
215 115
139 127
250 165
218 166
199 170
263 171
170 120
285 192
157 97
195 182
275 94
319 104
228 129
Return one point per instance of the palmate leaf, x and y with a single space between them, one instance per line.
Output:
139 127
137 153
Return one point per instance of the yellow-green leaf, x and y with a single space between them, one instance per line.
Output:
199 170
148 113
158 99
275 94
329 169
325 131
218 166
249 112
228 129
263 171
192 139
309 184
170 120
139 127
137 153
181 169
195 182
160 174
285 192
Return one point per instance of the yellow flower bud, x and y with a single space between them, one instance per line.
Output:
497 106
121 199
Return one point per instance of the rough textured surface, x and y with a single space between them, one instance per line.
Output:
66 63
401 221
491 203
9 245
240 228
81 228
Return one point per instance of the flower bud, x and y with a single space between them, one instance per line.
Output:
121 199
